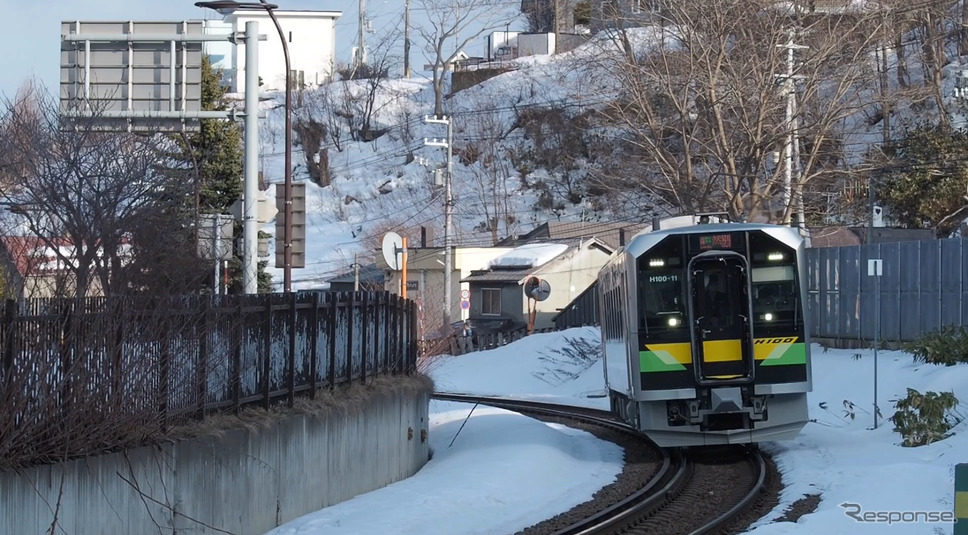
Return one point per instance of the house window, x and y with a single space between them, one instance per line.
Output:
637 6
491 301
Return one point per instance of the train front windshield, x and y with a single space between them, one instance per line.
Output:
773 285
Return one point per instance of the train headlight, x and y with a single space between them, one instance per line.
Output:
656 262
673 322
768 316
774 257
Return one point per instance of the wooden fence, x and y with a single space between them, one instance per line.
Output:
459 345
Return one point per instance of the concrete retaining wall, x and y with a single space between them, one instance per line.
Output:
244 481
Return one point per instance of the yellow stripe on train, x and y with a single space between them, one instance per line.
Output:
722 351
765 348
726 350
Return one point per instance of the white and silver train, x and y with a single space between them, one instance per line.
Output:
704 333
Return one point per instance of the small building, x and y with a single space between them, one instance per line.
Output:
498 300
614 235
34 268
452 63
310 36
371 278
425 281
623 14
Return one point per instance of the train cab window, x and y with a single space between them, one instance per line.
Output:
774 295
661 292
774 287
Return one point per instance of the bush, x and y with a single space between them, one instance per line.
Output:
947 345
925 418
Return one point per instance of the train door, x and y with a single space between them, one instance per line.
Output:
720 312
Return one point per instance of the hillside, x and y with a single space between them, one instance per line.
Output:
570 137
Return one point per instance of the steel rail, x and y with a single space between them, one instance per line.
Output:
672 476
720 522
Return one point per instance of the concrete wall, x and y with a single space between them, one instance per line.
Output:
244 481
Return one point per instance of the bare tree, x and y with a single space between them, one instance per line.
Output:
487 161
703 112
452 25
83 194
349 107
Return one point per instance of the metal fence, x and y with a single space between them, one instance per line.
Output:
182 356
583 310
921 289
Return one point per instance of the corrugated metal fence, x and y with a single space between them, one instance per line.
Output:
921 289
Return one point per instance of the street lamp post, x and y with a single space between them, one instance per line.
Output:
229 6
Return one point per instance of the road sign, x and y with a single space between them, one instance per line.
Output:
464 294
465 304
214 237
125 75
265 210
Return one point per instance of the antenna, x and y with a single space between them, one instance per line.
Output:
395 254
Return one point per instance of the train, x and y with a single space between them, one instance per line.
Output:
704 334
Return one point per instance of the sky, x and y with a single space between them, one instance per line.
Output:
31 39
494 471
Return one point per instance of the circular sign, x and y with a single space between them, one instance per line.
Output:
465 305
464 294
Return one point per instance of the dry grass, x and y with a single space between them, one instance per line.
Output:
341 401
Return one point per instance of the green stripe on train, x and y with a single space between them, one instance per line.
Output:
786 355
659 361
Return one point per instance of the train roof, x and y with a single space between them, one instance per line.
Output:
645 240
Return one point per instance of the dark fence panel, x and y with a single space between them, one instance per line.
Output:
951 282
922 289
178 357
583 310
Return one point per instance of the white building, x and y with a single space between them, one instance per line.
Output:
310 35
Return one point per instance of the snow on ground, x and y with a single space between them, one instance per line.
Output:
497 472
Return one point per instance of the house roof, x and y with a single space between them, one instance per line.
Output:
370 273
609 234
31 255
512 272
516 275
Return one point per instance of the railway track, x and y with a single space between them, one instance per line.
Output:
668 491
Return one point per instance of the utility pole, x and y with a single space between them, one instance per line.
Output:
789 88
406 40
360 54
554 20
250 182
448 205
356 272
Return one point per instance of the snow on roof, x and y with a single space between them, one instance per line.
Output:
530 255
